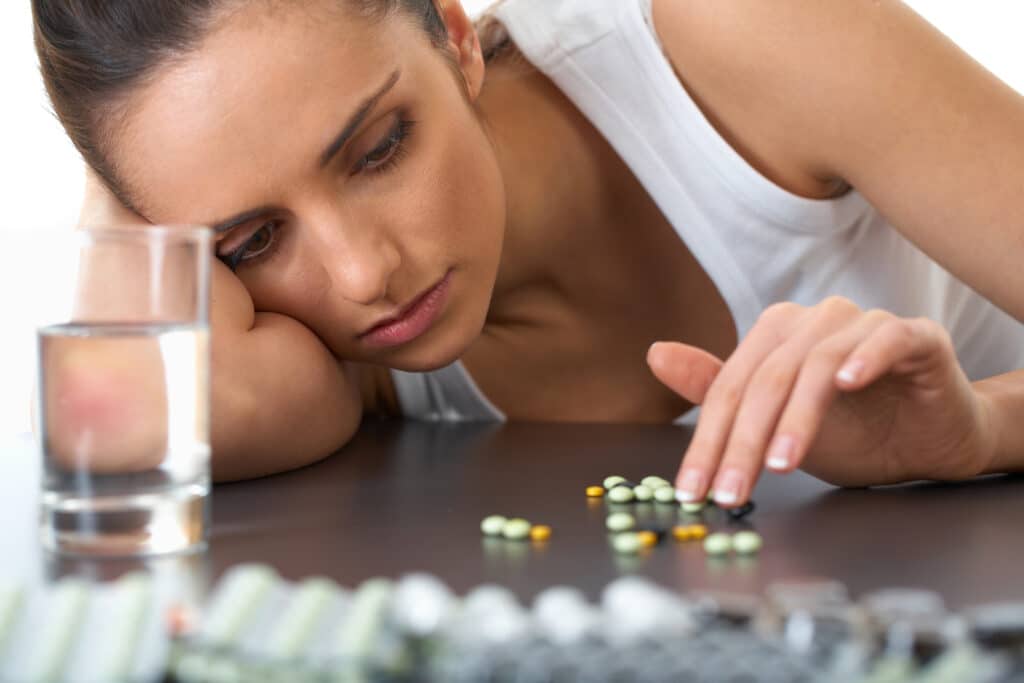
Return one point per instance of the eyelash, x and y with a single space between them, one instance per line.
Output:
394 144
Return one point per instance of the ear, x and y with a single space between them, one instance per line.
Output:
463 44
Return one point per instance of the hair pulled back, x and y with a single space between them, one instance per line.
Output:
94 53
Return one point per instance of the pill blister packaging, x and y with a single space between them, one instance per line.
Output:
258 626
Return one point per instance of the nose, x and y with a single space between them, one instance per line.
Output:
360 262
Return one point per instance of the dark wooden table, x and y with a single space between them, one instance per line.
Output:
409 497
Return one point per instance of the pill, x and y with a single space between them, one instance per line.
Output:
689 532
516 529
746 542
742 511
620 521
718 544
595 491
693 508
493 525
652 482
643 493
540 532
613 481
180 620
627 543
665 494
621 494
648 539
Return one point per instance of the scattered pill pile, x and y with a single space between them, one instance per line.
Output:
514 529
626 537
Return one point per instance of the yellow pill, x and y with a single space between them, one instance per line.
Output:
540 532
595 491
689 532
648 539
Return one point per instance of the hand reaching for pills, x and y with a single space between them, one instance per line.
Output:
854 397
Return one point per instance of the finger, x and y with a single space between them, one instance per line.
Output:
816 389
684 369
723 397
769 389
901 345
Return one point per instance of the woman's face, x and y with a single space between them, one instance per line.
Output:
344 168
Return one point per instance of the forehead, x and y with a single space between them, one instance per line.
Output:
260 98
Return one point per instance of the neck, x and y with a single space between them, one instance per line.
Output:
554 185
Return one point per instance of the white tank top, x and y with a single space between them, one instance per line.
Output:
758 243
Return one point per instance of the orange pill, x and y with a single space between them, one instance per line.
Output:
180 620
689 532
648 539
595 491
540 532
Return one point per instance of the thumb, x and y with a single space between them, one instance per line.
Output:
684 369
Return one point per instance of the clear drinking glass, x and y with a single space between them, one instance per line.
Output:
123 404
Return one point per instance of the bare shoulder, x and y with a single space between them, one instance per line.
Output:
868 93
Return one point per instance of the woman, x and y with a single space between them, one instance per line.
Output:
413 220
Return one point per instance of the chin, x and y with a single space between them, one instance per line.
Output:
437 347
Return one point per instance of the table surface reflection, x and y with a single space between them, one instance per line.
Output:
409 496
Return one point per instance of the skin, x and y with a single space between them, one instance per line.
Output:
538 255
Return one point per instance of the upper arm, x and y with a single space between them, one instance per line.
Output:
868 92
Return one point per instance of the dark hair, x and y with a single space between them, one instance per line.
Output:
92 53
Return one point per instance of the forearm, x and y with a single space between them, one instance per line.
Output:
1002 399
280 400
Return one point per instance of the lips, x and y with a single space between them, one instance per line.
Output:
412 320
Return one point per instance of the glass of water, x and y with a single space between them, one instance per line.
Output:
123 396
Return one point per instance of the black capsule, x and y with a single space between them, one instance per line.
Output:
742 511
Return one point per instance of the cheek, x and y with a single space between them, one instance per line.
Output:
458 207
295 284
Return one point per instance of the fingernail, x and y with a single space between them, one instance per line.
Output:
850 372
780 454
689 486
728 488
656 359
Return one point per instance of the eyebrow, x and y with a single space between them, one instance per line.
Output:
357 118
351 126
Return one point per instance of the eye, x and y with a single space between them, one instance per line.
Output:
260 243
388 151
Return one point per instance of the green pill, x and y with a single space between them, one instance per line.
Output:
612 481
627 543
652 482
746 542
493 525
516 529
666 494
620 494
718 544
693 508
643 493
620 521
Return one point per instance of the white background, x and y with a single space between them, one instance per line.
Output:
40 173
